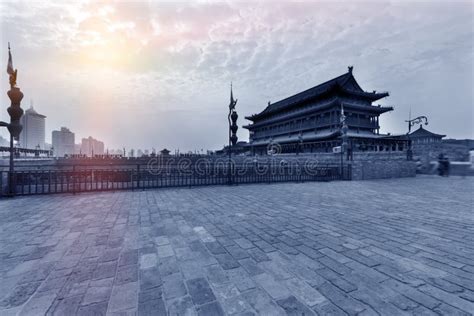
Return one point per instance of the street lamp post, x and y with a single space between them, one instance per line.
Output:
15 112
411 122
232 118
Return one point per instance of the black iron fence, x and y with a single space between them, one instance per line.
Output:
30 182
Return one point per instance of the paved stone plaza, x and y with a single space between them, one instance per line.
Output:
390 247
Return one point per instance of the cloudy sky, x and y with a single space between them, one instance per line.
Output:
146 74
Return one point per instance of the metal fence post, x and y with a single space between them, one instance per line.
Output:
73 179
268 172
300 172
138 176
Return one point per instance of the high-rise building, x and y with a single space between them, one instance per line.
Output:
32 135
91 147
63 142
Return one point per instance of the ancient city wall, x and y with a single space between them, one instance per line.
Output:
429 152
373 167
365 165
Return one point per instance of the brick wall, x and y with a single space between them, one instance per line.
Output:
365 165
382 169
430 152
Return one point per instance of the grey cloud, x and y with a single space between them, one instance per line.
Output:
421 52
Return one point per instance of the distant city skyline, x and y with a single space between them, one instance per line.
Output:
148 75
91 146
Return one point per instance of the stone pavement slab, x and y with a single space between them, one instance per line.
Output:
387 247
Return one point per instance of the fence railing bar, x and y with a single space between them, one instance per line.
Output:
31 182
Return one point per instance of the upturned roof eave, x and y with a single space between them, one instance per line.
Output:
421 132
366 95
373 109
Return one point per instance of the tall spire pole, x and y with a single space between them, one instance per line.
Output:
231 107
15 111
232 119
409 120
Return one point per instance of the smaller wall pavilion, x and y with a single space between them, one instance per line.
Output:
423 136
310 121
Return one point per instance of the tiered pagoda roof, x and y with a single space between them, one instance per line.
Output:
344 85
421 132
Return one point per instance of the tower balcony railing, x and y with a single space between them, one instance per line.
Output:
311 126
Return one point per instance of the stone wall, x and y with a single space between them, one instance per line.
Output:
365 165
374 168
430 152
